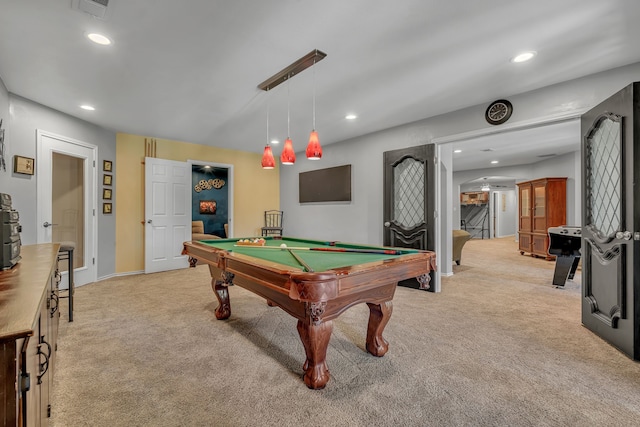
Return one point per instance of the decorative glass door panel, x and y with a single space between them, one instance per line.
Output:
604 183
408 181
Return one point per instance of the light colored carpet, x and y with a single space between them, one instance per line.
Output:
498 347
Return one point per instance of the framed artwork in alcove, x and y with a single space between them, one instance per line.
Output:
208 207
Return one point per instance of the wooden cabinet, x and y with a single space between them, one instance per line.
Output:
29 319
542 204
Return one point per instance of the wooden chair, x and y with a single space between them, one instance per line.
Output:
272 223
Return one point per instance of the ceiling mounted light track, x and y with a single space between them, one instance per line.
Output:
297 67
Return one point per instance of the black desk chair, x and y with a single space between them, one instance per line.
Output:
272 223
66 253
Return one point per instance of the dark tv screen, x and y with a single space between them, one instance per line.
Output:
326 185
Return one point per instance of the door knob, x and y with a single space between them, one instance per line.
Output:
626 235
149 221
387 223
46 224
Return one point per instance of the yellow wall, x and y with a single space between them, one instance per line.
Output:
254 191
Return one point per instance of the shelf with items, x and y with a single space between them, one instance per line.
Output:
474 197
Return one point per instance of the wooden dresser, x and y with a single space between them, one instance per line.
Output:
542 203
29 319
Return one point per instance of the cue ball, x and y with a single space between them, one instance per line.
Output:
284 245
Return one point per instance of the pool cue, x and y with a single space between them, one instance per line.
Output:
301 261
331 249
359 251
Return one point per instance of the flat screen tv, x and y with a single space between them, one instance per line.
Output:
326 185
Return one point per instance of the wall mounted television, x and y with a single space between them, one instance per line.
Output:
325 185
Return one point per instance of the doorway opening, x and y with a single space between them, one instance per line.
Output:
488 207
212 197
67 205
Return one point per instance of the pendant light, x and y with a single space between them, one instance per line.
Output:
288 156
268 162
314 150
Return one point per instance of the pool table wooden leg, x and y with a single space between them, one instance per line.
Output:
379 315
315 339
222 293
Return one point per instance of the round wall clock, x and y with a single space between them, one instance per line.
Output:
498 112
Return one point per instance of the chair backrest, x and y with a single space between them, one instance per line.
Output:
273 219
197 227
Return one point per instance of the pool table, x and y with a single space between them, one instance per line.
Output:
314 281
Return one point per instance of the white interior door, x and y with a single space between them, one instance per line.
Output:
69 166
167 214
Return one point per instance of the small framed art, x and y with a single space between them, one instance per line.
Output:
107 165
25 165
106 208
106 179
106 193
208 207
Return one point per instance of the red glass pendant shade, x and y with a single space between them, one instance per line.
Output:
288 156
268 162
314 150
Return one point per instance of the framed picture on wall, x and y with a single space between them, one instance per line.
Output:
106 179
208 207
107 165
106 193
106 208
23 165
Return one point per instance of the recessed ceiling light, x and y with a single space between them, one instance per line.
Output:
99 39
457 151
350 117
87 107
523 57
275 141
494 162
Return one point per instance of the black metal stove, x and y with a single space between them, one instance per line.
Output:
564 243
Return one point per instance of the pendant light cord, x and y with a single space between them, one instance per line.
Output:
288 100
314 93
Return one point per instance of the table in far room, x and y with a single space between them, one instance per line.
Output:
314 281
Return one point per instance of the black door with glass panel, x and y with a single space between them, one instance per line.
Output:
610 219
409 201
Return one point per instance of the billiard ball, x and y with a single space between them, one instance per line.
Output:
284 245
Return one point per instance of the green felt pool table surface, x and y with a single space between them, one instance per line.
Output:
318 260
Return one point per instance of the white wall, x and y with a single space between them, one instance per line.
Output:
25 117
361 220
566 165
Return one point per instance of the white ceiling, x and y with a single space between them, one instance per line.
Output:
520 147
189 70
